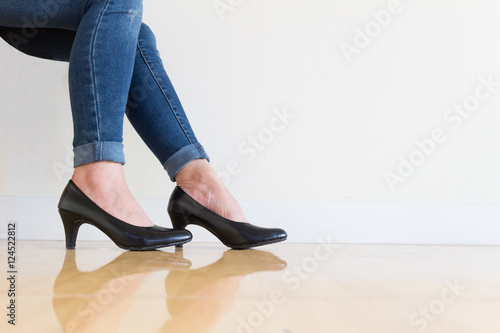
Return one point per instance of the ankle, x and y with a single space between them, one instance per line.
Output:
198 172
195 170
98 175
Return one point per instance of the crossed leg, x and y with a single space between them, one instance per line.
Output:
113 57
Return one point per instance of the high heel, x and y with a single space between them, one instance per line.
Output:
71 225
76 209
184 210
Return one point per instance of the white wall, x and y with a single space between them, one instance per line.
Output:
354 117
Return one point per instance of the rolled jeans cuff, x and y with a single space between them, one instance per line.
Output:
99 151
182 157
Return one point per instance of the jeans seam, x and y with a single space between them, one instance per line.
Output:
163 92
197 145
93 79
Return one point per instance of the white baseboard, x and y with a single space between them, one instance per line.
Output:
306 222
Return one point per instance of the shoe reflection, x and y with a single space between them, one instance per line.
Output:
96 301
198 298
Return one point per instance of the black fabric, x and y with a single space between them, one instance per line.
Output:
46 43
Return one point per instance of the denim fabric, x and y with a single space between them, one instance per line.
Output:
114 68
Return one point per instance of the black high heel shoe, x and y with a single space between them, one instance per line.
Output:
76 209
184 210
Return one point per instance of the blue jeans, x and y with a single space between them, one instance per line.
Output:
114 69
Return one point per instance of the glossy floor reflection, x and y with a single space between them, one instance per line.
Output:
280 288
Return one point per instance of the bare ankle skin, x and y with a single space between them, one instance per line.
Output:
200 181
104 183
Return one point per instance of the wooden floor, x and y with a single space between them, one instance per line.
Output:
278 288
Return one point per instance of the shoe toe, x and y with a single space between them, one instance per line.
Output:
278 233
178 235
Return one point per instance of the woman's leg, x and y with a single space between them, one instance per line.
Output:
100 71
156 113
101 67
